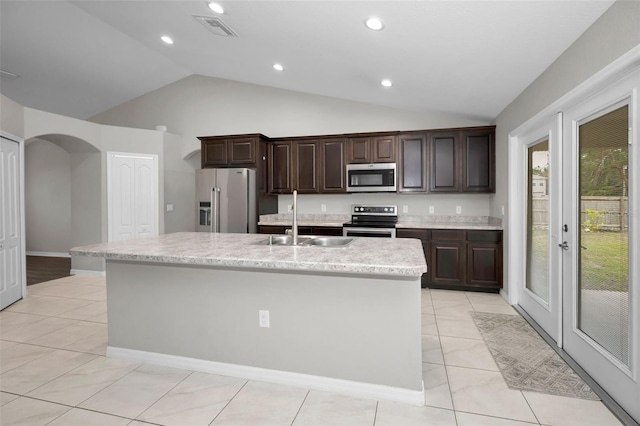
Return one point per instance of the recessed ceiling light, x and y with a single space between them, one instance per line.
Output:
386 83
216 8
374 24
167 39
278 67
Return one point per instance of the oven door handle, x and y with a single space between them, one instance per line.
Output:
382 231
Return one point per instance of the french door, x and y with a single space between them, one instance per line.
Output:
540 294
601 241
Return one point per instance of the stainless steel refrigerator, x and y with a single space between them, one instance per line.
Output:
226 200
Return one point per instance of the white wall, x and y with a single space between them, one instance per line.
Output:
47 170
616 32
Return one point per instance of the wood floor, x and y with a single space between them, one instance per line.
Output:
40 268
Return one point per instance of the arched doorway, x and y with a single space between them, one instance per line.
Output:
63 197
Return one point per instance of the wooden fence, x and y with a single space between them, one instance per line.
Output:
612 212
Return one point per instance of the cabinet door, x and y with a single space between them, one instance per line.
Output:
332 169
280 168
484 265
214 153
478 155
358 150
384 149
242 151
305 155
444 162
412 174
447 262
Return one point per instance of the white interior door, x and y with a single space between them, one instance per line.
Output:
601 273
11 256
132 191
540 291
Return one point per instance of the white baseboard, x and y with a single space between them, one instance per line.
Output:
88 272
328 384
47 254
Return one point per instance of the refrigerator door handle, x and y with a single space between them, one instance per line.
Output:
215 209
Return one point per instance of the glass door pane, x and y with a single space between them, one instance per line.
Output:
603 259
538 214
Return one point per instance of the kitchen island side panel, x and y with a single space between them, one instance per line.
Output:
359 328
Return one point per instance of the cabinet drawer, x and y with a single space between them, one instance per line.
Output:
269 229
447 235
484 236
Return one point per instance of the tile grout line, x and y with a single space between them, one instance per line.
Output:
229 402
165 394
300 408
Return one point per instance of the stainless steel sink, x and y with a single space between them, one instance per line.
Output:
282 240
328 241
287 240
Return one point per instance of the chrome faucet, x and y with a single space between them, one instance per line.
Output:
294 226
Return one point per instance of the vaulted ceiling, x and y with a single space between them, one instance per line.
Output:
470 58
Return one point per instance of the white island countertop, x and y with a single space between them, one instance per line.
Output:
380 256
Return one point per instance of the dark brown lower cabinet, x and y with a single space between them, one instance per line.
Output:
460 259
302 230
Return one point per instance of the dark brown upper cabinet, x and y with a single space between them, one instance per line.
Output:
280 167
309 166
306 156
371 149
444 164
232 151
478 160
462 161
412 163
332 166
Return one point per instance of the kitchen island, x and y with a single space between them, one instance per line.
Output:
340 319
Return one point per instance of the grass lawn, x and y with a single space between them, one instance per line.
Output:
605 261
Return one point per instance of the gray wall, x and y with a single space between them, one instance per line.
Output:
616 32
201 106
47 170
11 117
179 187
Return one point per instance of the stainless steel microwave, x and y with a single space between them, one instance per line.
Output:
378 177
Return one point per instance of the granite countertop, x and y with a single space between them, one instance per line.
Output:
396 257
404 221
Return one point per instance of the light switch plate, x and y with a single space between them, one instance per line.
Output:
405 209
458 209
432 209
169 207
323 207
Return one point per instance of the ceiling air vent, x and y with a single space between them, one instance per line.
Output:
216 26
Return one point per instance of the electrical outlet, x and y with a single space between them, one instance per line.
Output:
323 207
263 318
405 209
289 208
169 207
432 209
458 209
502 210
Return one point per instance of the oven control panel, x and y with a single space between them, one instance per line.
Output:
377 210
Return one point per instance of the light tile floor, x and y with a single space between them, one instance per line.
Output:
54 372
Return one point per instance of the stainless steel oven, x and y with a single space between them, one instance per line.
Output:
372 221
369 232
